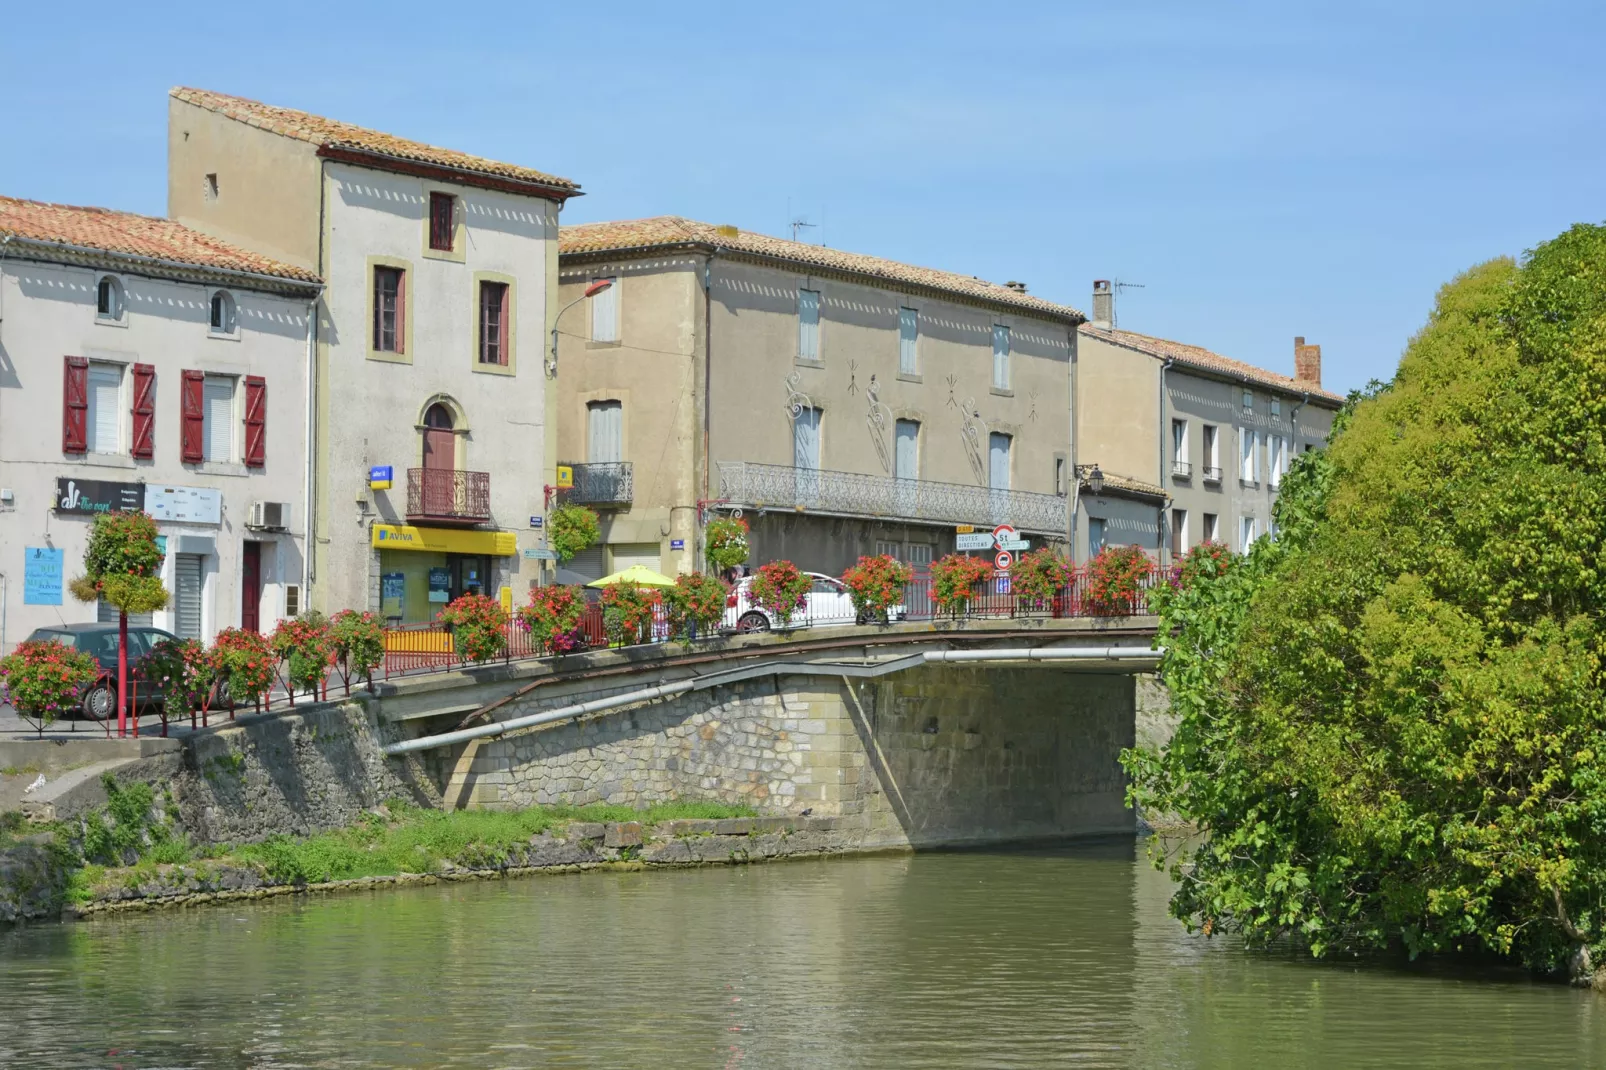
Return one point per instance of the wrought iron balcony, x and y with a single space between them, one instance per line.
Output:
776 486
1212 475
604 484
447 496
1182 469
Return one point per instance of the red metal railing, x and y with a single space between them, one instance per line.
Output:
448 494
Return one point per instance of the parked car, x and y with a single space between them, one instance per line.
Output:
827 603
99 641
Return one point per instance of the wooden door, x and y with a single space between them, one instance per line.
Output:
440 444
251 587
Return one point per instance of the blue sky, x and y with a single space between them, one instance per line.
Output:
1263 172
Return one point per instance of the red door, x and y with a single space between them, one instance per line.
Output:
440 444
251 588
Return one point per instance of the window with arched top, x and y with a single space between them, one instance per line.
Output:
109 299
440 441
223 317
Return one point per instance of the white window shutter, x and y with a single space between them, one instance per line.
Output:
218 418
808 324
105 408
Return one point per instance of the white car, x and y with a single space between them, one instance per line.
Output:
827 603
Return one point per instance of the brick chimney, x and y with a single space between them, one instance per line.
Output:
1103 304
1018 287
1307 362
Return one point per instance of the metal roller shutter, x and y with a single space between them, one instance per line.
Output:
629 554
187 595
106 613
585 566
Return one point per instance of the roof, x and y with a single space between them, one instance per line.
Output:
125 234
1127 486
666 231
1204 360
332 135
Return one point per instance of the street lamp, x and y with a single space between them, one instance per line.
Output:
591 291
1095 483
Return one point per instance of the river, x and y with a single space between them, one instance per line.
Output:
992 959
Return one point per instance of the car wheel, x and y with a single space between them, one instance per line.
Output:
100 702
753 622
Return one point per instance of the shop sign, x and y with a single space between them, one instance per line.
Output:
565 477
440 584
187 505
380 476
41 576
443 540
92 496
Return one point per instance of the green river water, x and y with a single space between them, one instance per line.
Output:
1045 958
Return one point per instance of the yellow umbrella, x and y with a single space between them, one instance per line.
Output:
635 575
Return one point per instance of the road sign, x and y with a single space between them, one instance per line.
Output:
536 521
981 540
1005 533
1001 585
964 529
1015 545
538 553
1002 560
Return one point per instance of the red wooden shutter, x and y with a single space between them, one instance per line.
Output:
256 421
503 353
75 406
193 409
144 410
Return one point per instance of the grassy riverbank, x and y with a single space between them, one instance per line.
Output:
397 839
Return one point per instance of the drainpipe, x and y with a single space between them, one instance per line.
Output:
1076 481
706 491
310 484
1160 550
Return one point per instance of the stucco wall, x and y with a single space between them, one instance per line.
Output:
1117 409
50 313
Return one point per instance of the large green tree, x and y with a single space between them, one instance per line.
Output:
1393 726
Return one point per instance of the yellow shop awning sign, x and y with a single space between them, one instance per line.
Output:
444 540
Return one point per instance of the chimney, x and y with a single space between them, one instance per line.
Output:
1103 304
1018 287
1307 362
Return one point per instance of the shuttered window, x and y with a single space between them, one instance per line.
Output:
256 421
908 339
806 438
605 312
192 413
998 457
1000 357
187 595
606 432
218 432
629 554
74 405
105 408
442 210
583 567
143 411
906 449
808 324
106 613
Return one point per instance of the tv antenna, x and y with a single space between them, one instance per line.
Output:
1115 292
800 221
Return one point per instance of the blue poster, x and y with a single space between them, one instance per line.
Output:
41 576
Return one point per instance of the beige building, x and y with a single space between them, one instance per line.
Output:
430 432
844 404
146 366
1216 433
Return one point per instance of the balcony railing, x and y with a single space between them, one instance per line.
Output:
1182 469
449 496
777 486
603 484
1212 475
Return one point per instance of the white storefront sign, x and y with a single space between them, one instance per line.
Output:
189 505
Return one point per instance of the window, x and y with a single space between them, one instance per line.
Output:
1060 486
806 438
104 421
209 190
1000 357
998 446
1179 448
605 313
390 309
109 300
1249 401
442 221
1212 452
223 318
1248 461
1179 532
493 323
894 550
808 324
1212 528
1276 459
217 433
919 554
1276 407
906 452
1246 531
908 341
605 432
1095 535
188 584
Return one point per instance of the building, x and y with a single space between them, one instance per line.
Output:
429 344
1216 433
844 404
146 366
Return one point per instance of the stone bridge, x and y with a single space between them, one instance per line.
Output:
909 735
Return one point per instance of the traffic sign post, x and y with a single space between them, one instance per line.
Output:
979 541
1002 560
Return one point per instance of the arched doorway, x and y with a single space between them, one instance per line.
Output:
440 441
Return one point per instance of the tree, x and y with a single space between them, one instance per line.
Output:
121 566
1393 729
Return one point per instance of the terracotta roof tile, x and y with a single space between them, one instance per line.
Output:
668 231
1205 360
134 235
1119 485
330 133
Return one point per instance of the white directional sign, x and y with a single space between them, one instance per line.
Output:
981 540
1015 545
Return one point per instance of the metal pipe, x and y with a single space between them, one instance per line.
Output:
1165 481
635 698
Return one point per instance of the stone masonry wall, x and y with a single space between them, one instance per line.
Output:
933 756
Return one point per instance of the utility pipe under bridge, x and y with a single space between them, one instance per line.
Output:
909 735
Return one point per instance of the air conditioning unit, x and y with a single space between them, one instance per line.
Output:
269 516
